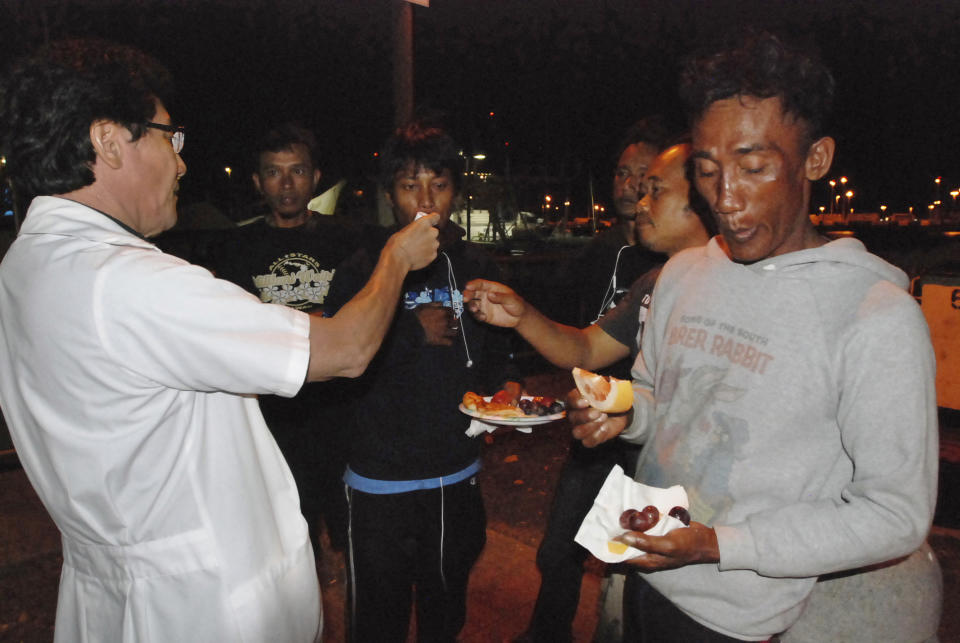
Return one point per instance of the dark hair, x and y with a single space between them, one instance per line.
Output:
422 144
284 137
763 66
652 130
48 102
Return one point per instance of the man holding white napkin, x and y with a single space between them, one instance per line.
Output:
785 380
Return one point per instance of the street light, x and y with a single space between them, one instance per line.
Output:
849 196
833 185
229 171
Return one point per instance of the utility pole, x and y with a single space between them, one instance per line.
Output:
402 62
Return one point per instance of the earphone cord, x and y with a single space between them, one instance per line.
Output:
457 303
611 292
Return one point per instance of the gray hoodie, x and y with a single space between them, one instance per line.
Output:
794 399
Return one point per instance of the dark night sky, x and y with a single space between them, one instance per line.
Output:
563 77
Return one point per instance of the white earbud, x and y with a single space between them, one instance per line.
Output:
457 306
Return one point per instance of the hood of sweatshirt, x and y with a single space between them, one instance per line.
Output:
816 263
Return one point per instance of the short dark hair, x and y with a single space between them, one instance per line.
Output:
284 137
761 65
49 100
652 130
422 144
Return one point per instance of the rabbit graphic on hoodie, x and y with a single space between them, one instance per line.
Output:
794 399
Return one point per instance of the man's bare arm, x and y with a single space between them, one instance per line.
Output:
343 345
563 346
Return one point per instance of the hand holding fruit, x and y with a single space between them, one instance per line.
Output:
678 548
590 426
494 303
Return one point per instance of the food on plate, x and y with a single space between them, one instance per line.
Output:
640 520
509 403
475 402
681 514
541 405
509 394
607 394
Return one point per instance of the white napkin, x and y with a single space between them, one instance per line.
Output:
619 493
477 427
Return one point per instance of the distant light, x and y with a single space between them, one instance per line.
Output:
849 194
548 198
376 154
843 180
937 180
822 209
491 114
506 143
229 171
566 203
479 157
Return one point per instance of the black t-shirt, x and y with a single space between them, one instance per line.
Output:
294 267
591 275
409 426
625 321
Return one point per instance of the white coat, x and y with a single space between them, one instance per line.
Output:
122 371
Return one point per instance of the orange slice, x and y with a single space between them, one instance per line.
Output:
616 547
607 394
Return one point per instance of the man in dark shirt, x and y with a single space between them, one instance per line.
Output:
669 218
290 257
603 271
412 468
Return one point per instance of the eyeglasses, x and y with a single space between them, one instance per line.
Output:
178 133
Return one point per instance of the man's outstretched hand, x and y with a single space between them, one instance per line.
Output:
494 303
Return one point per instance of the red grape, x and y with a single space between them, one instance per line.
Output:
681 514
627 517
645 519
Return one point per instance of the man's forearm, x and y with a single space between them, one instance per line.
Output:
561 345
342 346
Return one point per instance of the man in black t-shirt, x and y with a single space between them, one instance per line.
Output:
290 257
669 218
602 272
417 521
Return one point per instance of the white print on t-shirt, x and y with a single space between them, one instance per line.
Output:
295 280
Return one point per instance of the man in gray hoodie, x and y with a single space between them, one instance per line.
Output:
786 380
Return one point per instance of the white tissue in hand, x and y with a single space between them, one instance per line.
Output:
619 493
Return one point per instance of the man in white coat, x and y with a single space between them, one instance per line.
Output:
127 375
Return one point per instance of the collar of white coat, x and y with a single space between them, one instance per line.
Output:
54 215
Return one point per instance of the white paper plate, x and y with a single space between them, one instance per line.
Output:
526 420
